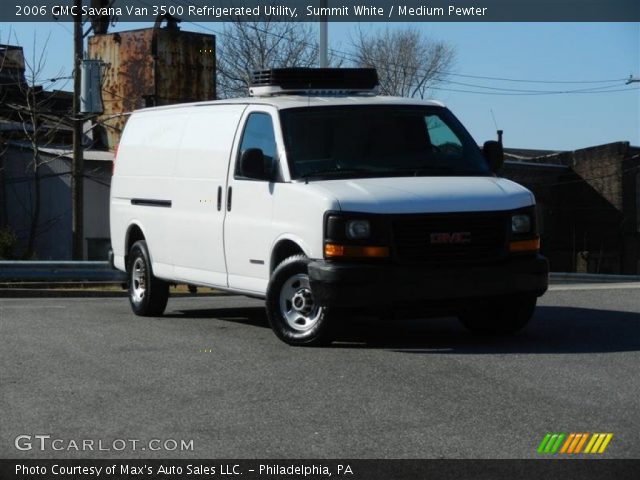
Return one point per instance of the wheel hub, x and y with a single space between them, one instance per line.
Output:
296 303
303 301
138 280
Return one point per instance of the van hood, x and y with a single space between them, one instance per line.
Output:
426 194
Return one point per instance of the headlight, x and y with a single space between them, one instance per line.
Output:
358 229
521 223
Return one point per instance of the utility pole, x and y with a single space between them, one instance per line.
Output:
77 169
324 57
632 80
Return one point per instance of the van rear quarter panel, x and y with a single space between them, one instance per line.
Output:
144 169
180 155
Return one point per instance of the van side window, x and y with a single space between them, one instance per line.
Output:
442 138
258 133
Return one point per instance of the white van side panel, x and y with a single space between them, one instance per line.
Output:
298 212
142 186
196 230
263 213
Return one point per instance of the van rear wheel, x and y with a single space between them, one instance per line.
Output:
293 314
148 295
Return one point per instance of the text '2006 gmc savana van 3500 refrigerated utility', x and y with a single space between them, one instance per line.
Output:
322 197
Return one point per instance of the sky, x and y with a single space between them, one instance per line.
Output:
528 57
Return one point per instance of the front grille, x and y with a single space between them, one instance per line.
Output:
486 232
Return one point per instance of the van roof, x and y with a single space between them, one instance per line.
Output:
282 102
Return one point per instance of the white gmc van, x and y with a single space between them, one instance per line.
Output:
320 197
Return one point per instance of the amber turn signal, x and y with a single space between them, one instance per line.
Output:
332 250
520 246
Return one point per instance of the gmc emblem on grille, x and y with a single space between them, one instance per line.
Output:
440 238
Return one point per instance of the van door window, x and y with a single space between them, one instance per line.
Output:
258 133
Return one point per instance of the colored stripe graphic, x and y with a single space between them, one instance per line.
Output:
551 442
577 437
605 443
567 443
543 443
581 443
572 443
594 437
555 447
598 443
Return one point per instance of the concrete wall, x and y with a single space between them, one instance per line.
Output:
53 240
53 233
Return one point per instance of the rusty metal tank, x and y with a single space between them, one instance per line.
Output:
151 67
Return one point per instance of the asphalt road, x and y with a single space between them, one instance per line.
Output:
211 371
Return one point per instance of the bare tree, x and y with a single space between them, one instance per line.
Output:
39 128
408 62
249 46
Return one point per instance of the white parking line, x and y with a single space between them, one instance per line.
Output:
31 307
595 286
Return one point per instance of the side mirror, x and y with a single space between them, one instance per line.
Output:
492 151
253 165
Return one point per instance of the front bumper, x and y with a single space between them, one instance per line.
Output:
366 284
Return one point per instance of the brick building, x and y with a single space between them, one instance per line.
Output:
589 202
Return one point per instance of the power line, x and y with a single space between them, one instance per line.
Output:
530 94
48 80
351 57
534 92
503 79
502 89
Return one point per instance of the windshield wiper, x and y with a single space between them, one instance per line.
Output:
440 171
338 172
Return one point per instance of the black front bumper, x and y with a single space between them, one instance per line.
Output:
366 284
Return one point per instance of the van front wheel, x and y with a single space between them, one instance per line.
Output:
293 314
148 295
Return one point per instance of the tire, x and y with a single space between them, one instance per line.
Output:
148 295
499 316
292 313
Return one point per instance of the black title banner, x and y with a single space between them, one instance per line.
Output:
331 10
283 469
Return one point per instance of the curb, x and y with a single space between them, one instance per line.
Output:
560 278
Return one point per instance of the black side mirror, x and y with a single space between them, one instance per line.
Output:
492 151
253 165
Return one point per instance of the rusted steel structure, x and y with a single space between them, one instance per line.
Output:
151 67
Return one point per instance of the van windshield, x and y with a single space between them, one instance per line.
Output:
378 141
